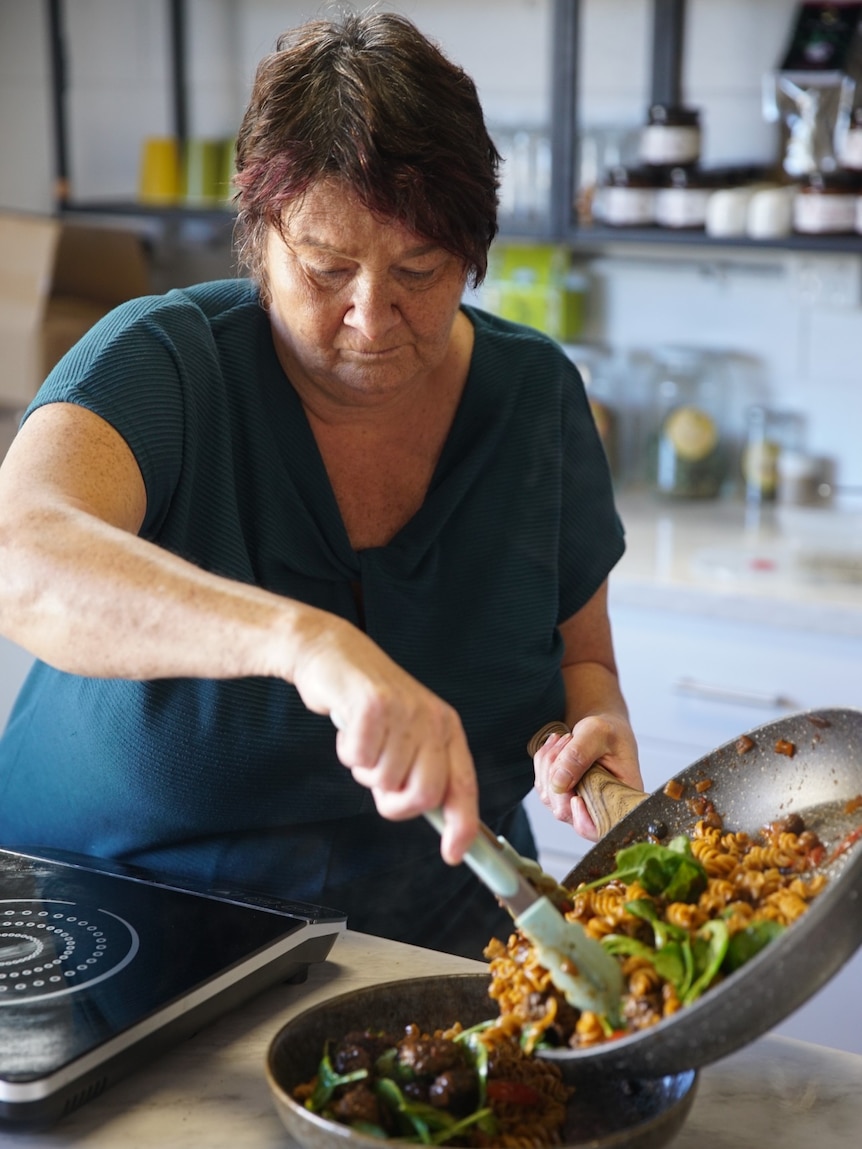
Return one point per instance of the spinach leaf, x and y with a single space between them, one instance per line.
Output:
370 1129
671 871
478 1052
483 1118
747 942
328 1081
672 962
413 1114
709 947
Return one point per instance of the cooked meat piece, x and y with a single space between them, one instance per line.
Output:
791 824
456 1090
416 1090
360 1049
357 1103
429 1056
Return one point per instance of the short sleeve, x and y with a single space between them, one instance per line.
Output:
127 370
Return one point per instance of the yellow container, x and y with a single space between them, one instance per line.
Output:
160 175
204 168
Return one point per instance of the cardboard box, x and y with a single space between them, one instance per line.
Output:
57 278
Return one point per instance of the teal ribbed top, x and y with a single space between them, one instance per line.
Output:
236 781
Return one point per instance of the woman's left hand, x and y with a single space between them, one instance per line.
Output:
563 759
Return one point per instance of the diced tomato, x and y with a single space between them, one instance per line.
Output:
509 1092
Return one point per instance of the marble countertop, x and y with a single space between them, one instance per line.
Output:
210 1092
790 567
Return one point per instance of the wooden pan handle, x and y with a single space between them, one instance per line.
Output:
606 798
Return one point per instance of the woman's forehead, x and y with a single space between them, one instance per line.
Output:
332 217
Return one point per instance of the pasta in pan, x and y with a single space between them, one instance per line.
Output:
727 895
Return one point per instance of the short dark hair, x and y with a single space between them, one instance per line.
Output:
370 101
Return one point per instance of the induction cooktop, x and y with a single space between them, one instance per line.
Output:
102 966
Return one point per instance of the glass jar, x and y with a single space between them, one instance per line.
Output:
770 436
626 197
683 198
826 204
687 455
671 136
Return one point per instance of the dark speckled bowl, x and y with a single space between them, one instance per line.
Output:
607 1112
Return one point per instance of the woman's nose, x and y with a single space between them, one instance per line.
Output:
373 308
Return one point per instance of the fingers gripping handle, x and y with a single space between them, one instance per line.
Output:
607 799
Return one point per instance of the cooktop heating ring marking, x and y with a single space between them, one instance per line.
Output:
52 948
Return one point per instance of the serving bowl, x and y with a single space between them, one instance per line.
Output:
604 1112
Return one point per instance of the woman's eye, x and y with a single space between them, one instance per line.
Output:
328 272
418 274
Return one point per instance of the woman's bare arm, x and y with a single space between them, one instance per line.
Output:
82 592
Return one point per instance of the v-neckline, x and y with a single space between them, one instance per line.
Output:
295 439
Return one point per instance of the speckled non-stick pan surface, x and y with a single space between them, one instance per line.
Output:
748 790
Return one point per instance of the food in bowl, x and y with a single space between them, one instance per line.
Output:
464 1087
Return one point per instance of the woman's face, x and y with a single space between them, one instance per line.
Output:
360 308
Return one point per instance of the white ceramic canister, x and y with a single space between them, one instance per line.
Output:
770 213
727 210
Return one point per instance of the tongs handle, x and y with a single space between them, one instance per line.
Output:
607 799
485 858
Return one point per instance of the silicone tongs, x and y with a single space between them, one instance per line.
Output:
582 970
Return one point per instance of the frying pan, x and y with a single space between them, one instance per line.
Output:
748 790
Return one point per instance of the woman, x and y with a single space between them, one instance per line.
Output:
243 513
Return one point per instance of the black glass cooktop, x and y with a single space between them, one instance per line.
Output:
102 966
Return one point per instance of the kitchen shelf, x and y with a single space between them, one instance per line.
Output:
668 27
168 213
175 215
590 237
560 224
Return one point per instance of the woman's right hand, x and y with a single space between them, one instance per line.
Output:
397 738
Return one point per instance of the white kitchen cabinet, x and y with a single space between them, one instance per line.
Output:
694 682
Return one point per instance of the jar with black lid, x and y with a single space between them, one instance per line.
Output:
671 136
626 197
825 203
681 200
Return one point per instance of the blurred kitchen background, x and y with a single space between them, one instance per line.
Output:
680 208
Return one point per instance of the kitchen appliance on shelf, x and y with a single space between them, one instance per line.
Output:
102 966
